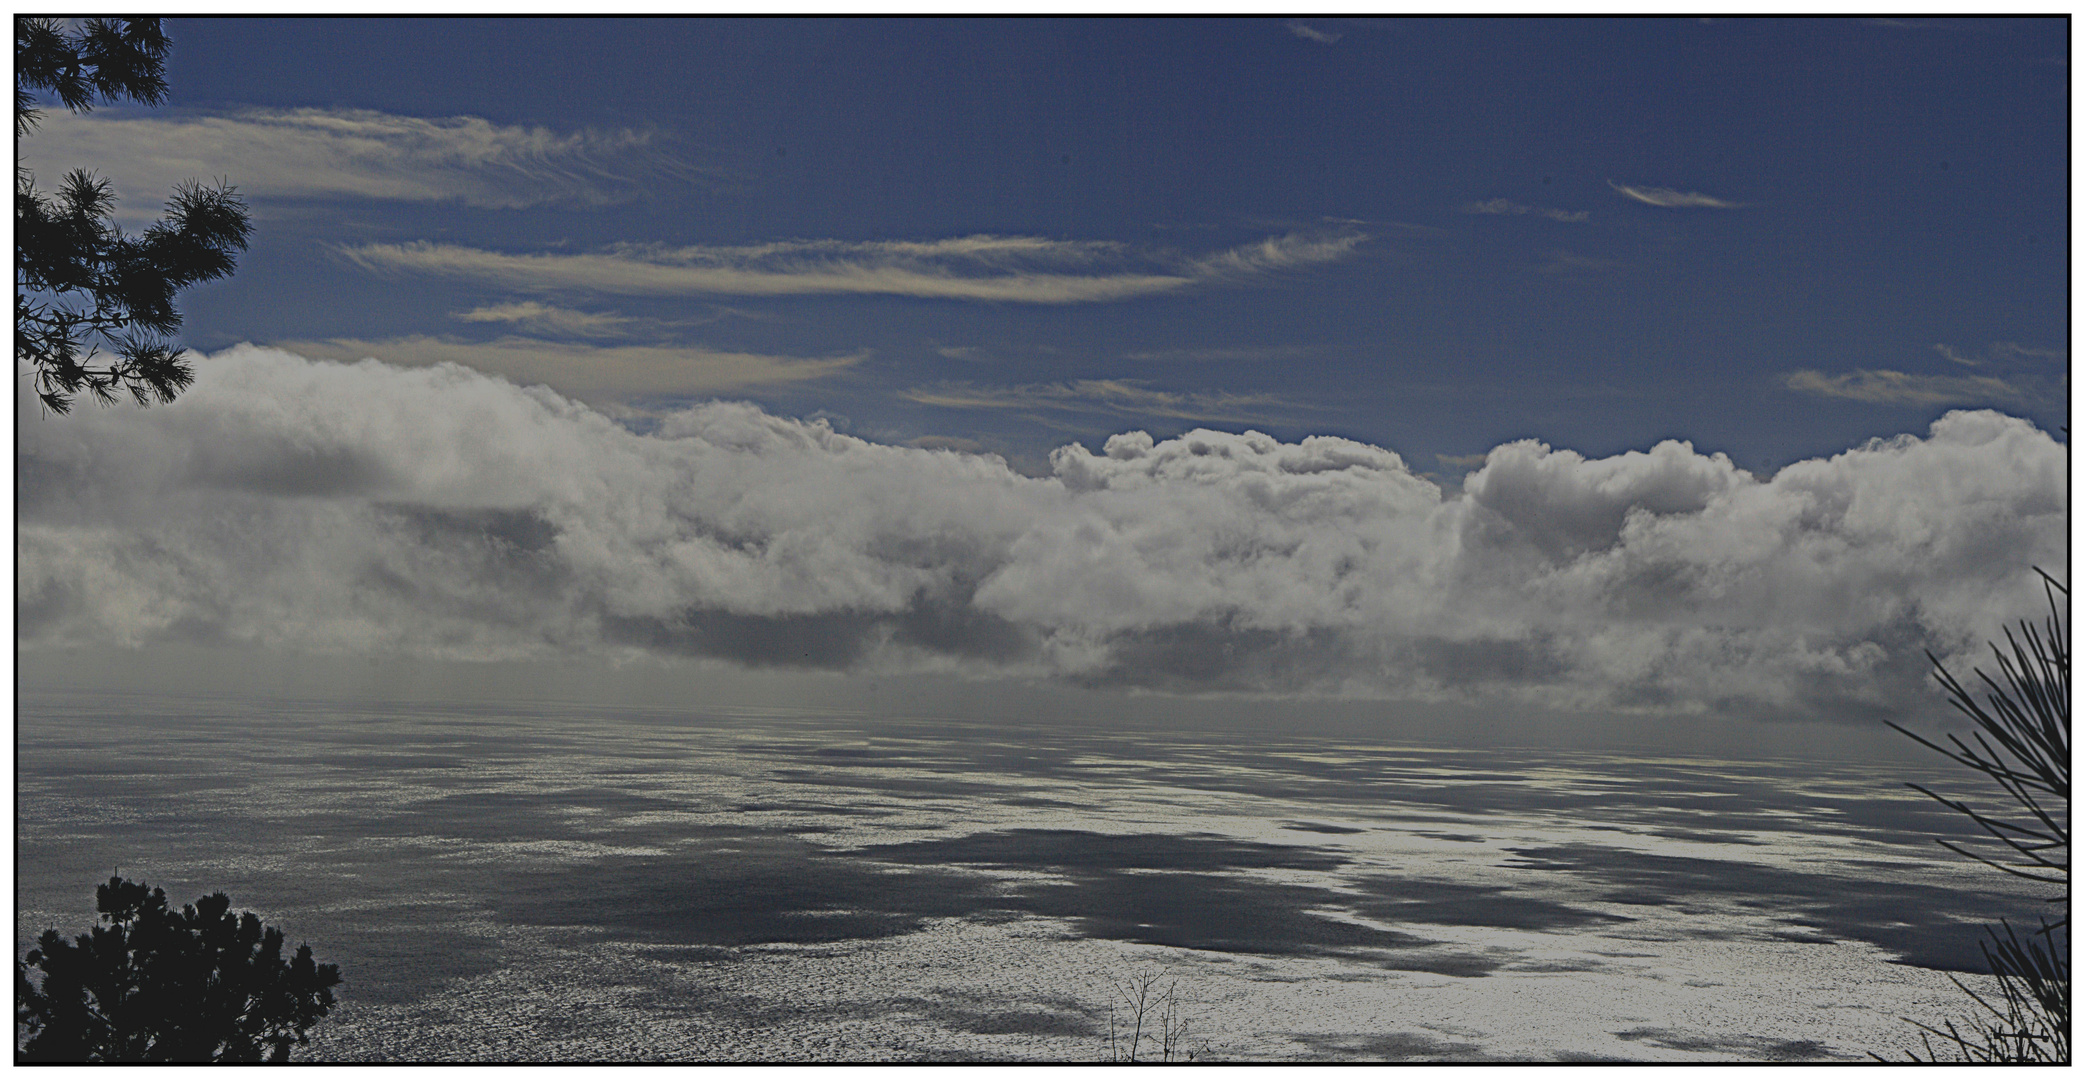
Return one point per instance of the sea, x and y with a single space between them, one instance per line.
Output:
555 882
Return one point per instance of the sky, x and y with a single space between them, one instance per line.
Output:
1678 367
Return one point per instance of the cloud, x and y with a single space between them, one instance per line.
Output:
1310 33
1885 387
1508 206
2002 352
2010 350
589 372
1266 352
948 442
1276 253
343 153
1012 269
364 508
1124 396
1667 197
549 318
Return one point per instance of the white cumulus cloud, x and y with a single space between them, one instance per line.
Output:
308 505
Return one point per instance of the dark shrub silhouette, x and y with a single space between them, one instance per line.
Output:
2022 743
79 279
154 984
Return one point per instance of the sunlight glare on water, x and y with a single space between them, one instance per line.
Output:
589 884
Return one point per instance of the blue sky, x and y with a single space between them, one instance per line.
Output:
1468 266
1772 239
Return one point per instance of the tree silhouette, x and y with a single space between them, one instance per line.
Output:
155 984
81 282
2022 743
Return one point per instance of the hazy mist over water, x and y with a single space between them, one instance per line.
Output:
566 882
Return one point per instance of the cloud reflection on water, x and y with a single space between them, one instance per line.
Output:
435 855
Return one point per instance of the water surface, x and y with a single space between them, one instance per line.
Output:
556 882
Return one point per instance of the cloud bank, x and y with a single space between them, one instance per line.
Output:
346 153
296 504
1013 269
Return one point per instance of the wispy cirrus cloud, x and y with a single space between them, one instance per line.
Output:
1312 33
1566 262
2012 350
1123 396
2001 353
1248 352
349 153
1672 199
1508 206
542 318
1011 269
1886 387
588 372
1276 253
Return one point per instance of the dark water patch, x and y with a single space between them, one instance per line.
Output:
1177 891
395 961
1397 1046
1747 1047
906 784
1459 838
1319 827
1802 938
1708 836
1080 851
831 809
1897 821
1233 914
1642 899
977 1015
1557 966
693 954
578 813
372 761
852 754
1924 925
1219 913
774 891
1404 900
